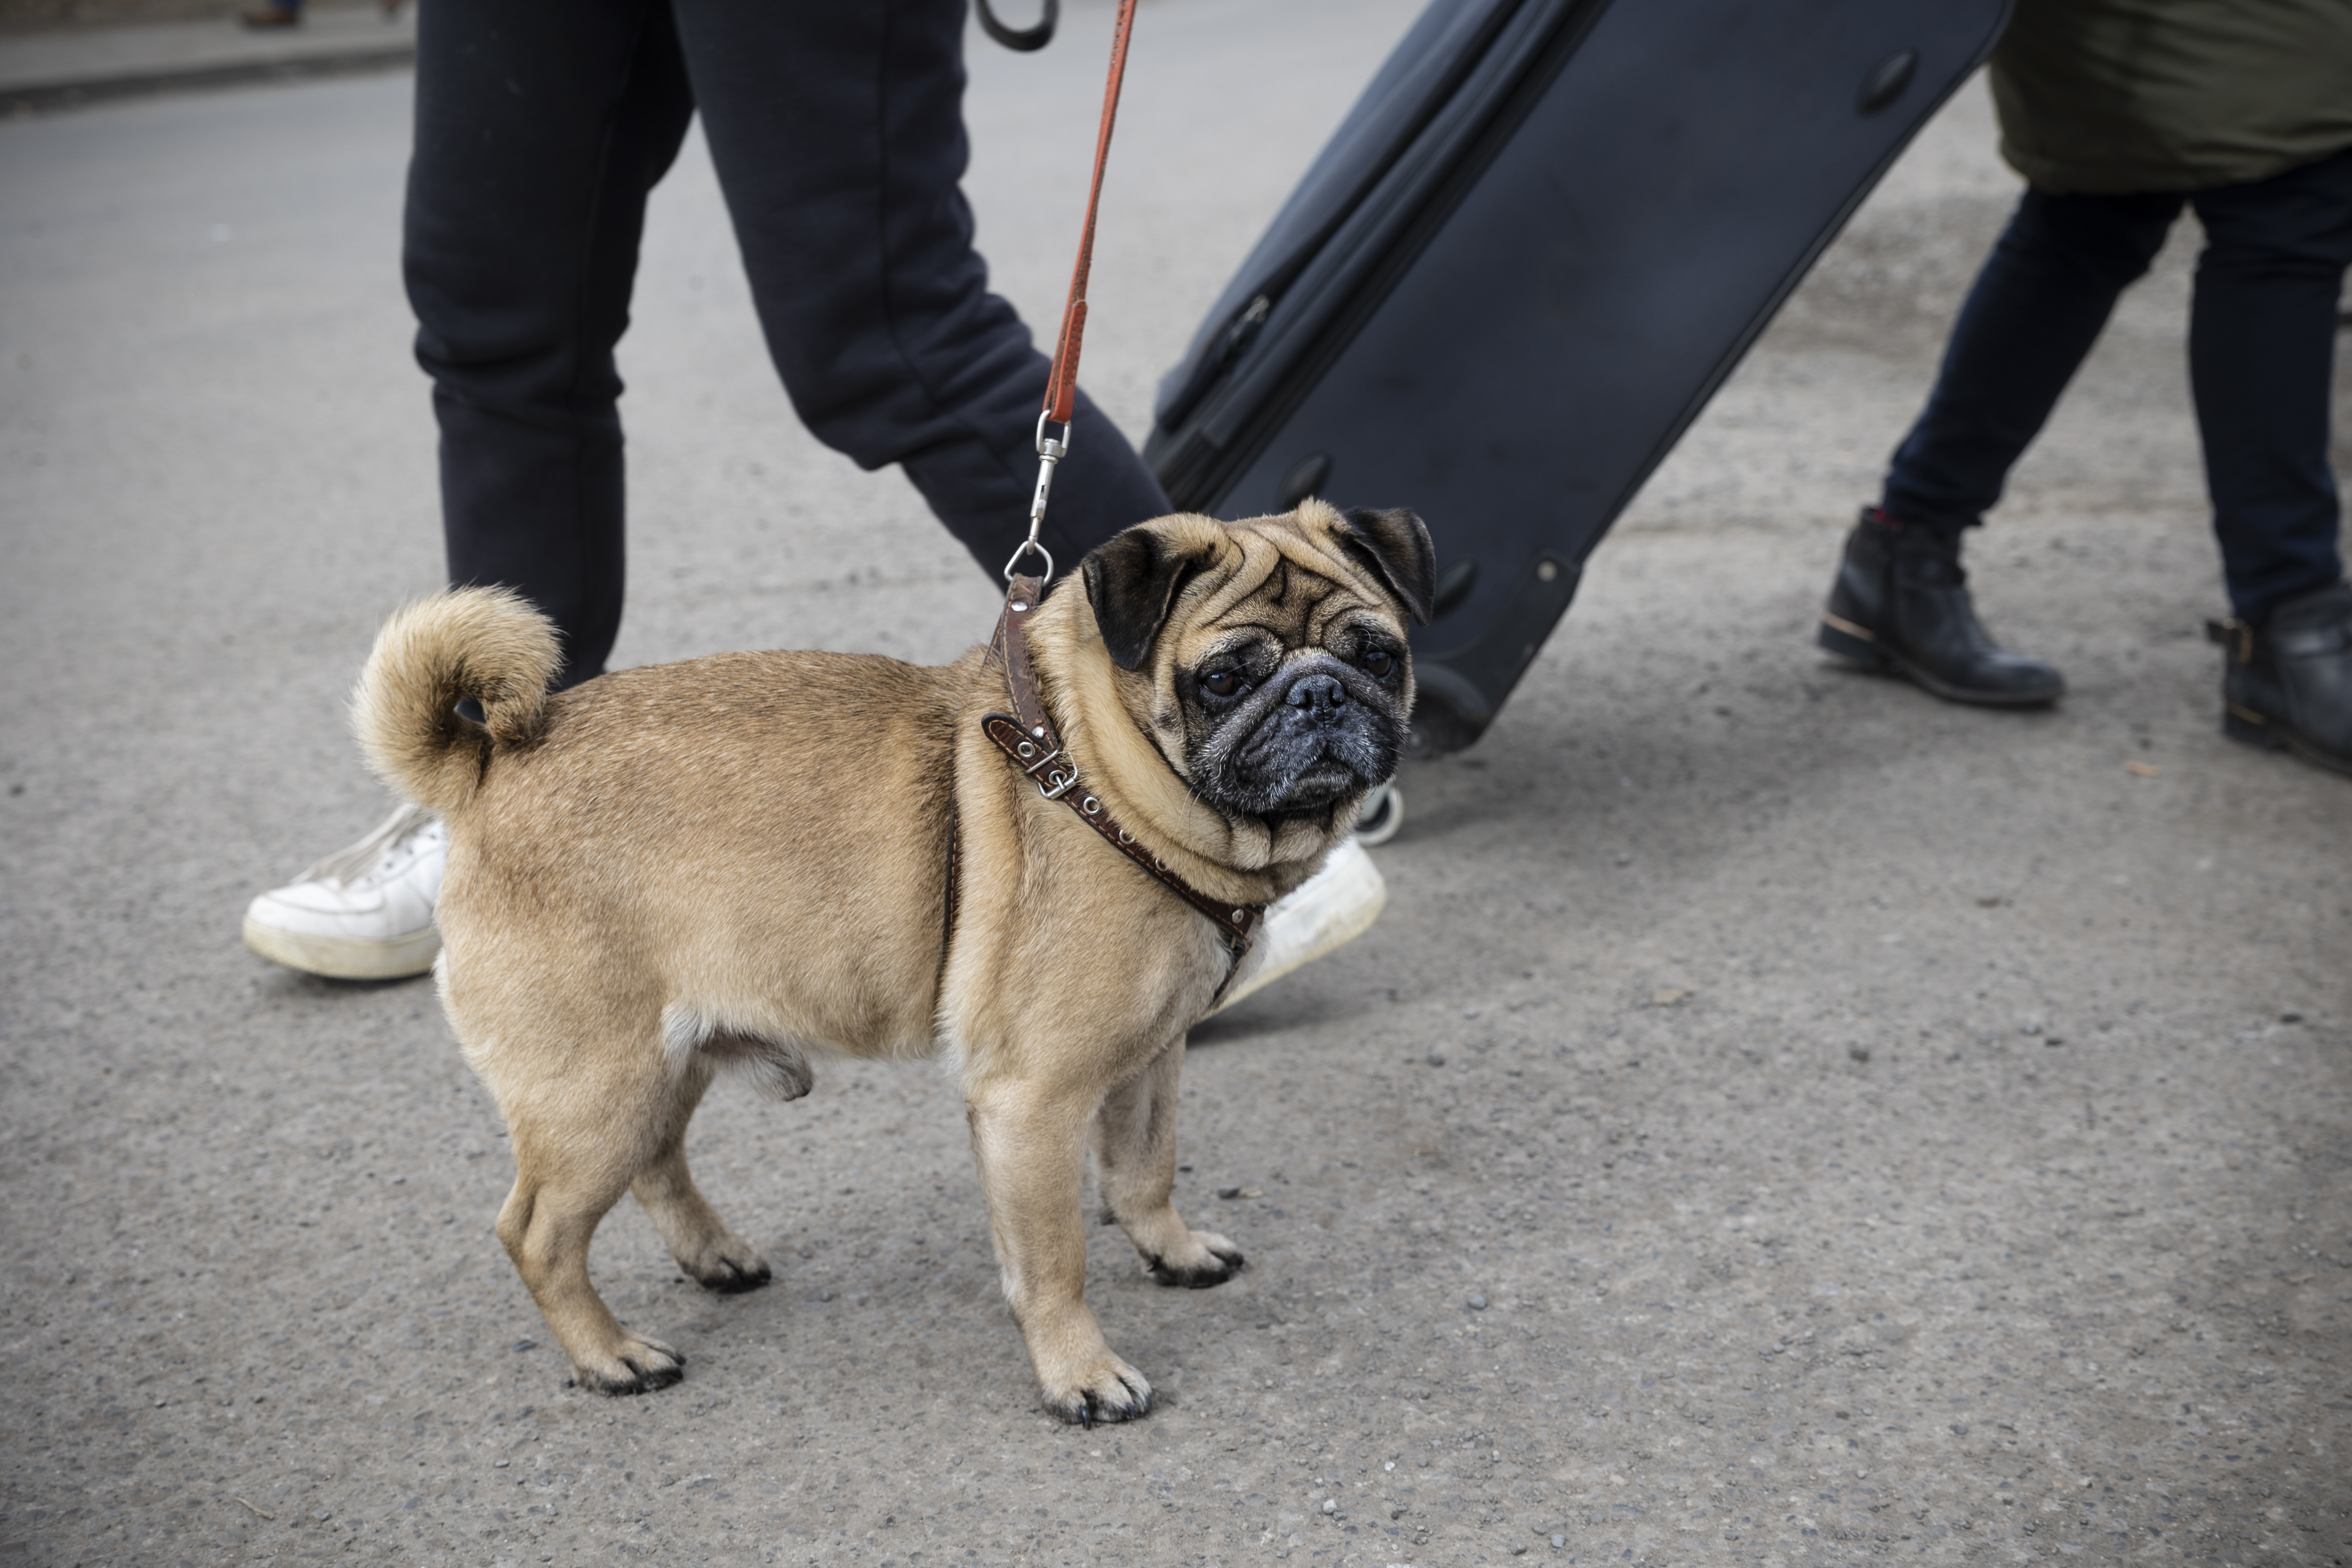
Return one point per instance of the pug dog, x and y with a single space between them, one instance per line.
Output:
745 862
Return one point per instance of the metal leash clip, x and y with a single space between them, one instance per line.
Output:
1049 452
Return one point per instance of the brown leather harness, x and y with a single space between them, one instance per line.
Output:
1027 736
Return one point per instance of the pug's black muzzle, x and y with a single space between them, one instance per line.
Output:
1319 731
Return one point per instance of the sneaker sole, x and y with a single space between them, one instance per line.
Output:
1870 658
343 957
1349 907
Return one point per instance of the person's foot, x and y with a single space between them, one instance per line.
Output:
272 16
2287 683
1327 911
363 914
1900 603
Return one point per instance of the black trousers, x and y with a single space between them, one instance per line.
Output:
837 134
2261 364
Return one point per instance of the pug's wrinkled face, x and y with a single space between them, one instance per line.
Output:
1292 702
1281 676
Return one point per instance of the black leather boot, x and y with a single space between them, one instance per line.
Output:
1900 603
2287 683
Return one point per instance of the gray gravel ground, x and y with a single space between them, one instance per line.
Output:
1781 1119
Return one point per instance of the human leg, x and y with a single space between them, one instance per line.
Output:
837 132
1901 600
2262 361
2261 345
540 128
542 125
2038 306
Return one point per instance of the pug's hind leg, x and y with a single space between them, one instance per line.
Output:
706 1251
1135 1163
567 1177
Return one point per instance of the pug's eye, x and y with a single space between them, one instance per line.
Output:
1378 662
1224 683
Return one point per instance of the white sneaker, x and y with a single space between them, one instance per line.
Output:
364 914
1327 911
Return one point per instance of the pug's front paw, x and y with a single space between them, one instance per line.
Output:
1108 1391
636 1365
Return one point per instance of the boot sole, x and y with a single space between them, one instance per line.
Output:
2248 731
1856 648
343 957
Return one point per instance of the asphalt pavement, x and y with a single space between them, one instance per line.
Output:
1781 1119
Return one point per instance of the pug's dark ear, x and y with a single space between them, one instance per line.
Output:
1131 579
1396 544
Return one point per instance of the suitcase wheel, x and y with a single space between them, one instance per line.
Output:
1382 815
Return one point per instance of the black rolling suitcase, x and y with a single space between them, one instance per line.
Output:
1534 248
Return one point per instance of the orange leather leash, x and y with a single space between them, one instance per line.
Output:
1062 383
1027 736
1062 390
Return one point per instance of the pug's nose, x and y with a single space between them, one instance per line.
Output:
1319 694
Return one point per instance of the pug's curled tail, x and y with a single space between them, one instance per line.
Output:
487 644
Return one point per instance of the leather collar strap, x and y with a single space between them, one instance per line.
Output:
1028 737
1010 646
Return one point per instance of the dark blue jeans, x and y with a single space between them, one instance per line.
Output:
837 132
2262 351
